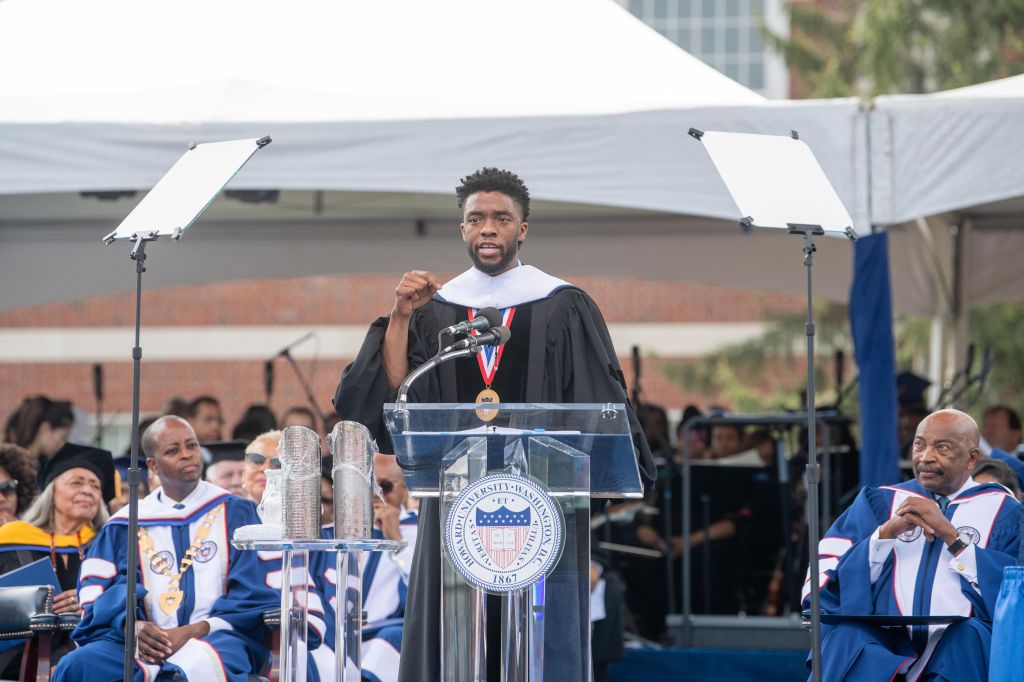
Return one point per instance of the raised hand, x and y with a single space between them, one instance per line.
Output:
925 513
416 288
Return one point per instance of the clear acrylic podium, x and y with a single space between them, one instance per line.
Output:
575 451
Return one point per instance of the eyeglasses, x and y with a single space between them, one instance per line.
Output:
9 488
259 460
386 486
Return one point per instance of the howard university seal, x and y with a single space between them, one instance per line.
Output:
503 533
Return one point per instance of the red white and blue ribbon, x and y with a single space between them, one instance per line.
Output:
490 357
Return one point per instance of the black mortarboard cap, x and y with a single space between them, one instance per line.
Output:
226 450
74 455
910 389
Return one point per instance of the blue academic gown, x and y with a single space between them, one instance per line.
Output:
383 592
912 576
223 586
317 614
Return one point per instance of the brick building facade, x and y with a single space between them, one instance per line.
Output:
216 338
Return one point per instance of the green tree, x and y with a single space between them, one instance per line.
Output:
873 47
999 327
767 373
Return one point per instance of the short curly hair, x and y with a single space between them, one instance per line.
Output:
18 464
495 180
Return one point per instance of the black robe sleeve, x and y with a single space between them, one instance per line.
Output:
363 388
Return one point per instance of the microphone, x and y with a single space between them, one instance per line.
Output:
97 382
268 378
286 351
986 367
496 336
484 319
840 368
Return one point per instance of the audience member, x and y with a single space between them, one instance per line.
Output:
204 619
764 444
932 546
205 416
994 471
330 420
40 425
260 455
392 514
1001 428
607 618
300 416
385 580
17 482
227 463
60 525
654 421
175 406
699 436
261 414
726 440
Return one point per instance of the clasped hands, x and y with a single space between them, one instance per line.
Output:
157 644
922 513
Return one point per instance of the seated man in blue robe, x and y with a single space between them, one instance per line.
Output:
201 602
933 546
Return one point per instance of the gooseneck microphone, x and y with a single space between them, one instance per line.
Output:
268 379
986 367
464 348
484 319
97 382
496 336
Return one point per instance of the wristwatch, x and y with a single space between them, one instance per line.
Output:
962 541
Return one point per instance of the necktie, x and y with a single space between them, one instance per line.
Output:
943 503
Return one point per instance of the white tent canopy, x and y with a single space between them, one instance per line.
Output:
958 150
947 178
376 111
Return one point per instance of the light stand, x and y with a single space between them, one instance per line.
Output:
777 179
169 209
138 254
813 470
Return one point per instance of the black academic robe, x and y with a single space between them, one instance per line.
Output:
571 360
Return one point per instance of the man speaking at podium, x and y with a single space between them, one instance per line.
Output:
559 352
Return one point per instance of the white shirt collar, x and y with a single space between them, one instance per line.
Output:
166 501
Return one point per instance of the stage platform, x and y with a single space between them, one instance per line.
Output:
710 665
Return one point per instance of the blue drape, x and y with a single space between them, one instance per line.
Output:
1008 628
871 322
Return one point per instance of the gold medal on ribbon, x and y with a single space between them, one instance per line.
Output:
488 395
489 359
